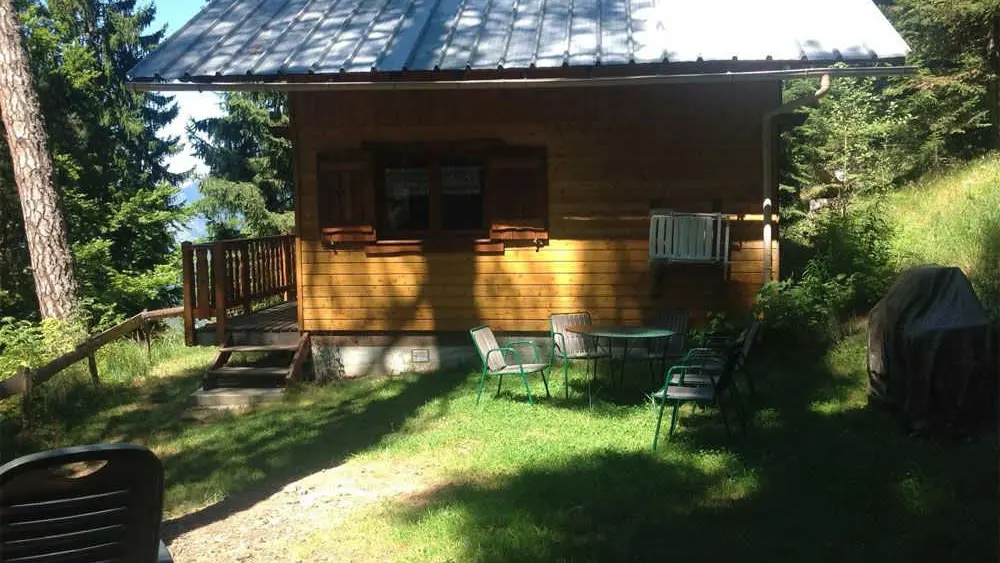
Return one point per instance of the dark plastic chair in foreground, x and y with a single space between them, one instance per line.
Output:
107 508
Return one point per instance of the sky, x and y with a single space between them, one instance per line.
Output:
191 105
196 105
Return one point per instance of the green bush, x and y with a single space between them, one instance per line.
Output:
805 310
25 344
855 242
846 265
717 323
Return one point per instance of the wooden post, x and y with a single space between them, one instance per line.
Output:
262 287
188 283
269 255
147 335
92 366
290 279
283 260
204 291
263 272
245 276
221 283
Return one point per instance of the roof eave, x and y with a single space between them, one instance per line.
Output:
572 77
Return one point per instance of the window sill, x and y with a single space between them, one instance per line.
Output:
522 232
496 244
426 246
336 235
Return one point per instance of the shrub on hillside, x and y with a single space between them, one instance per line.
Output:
25 344
856 242
848 266
804 310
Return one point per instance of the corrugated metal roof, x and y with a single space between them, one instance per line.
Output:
268 39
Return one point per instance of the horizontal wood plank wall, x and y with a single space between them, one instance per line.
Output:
613 153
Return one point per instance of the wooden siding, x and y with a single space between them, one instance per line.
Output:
613 153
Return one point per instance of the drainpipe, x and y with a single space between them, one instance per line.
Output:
768 144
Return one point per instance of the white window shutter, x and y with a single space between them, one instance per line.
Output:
688 237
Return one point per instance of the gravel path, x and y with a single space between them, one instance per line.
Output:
251 530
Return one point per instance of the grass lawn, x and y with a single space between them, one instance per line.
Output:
952 217
820 475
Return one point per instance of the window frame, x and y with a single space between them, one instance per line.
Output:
365 225
433 159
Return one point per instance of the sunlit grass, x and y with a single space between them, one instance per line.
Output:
953 218
820 475
557 482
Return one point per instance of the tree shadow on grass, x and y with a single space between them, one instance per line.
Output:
820 477
587 509
605 396
244 457
71 410
255 454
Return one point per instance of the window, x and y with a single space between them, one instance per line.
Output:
407 198
431 195
426 195
462 197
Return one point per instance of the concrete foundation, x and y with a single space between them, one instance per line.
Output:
336 357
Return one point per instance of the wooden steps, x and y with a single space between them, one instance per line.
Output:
262 348
280 364
235 398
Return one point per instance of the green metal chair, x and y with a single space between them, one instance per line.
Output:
570 346
495 361
686 383
712 354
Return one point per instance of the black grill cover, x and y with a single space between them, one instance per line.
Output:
931 353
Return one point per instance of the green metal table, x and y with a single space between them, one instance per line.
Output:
624 335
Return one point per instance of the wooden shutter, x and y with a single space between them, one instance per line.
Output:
517 194
346 196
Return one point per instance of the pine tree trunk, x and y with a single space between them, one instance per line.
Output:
51 263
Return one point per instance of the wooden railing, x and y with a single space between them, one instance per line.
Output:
227 278
26 379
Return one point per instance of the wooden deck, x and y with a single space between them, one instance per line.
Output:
273 325
226 280
279 318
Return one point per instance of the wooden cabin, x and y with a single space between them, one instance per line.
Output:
494 162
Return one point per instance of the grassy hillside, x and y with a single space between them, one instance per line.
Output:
952 217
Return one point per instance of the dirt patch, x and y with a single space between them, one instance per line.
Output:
266 529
